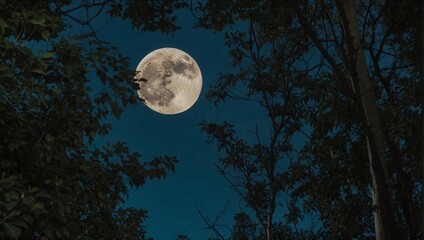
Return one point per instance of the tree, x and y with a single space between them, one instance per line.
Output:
258 170
345 74
55 183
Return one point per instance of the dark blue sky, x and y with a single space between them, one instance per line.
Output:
172 202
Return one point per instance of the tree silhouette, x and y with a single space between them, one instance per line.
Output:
54 182
343 74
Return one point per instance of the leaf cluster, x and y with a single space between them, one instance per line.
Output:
57 92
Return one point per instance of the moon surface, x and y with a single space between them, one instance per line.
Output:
169 79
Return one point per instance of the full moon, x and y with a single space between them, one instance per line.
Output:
169 79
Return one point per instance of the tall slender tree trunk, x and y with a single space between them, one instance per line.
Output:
384 218
385 223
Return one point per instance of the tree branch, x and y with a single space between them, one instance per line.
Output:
212 225
314 37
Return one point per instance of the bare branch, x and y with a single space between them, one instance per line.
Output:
212 224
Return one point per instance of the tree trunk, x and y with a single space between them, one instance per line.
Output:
269 227
384 218
364 91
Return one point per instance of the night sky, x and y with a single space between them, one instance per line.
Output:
179 203
172 202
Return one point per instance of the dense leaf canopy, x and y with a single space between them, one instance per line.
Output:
55 182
